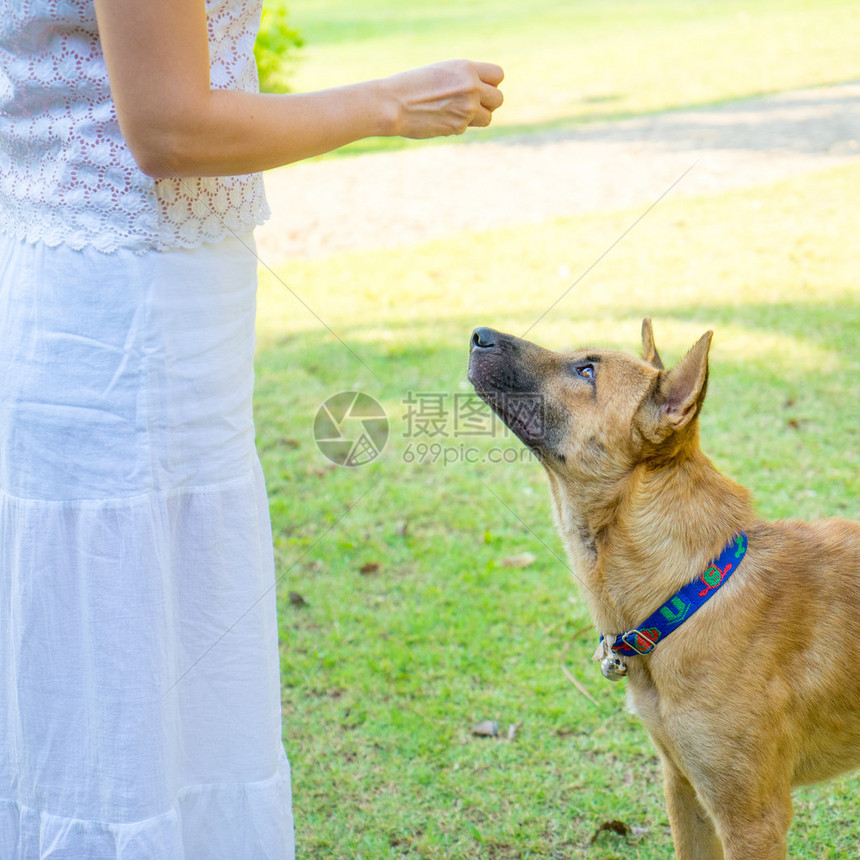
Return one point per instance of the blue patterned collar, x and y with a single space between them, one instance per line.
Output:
678 608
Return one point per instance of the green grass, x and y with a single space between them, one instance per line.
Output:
570 62
414 629
385 671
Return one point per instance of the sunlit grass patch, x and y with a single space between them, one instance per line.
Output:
572 62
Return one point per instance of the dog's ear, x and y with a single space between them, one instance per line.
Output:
682 390
649 348
678 395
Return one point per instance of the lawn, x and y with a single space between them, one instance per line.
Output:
426 591
569 62
413 628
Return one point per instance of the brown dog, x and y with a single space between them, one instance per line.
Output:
758 689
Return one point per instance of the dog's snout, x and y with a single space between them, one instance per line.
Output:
483 338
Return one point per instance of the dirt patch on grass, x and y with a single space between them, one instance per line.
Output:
390 199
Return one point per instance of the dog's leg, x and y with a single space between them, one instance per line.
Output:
751 813
756 831
693 829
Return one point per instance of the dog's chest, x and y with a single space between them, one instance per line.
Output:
643 701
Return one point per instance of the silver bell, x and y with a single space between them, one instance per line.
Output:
613 668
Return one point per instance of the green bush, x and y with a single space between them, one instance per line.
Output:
276 48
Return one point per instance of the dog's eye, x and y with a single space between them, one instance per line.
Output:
586 371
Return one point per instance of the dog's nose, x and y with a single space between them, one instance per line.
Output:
483 338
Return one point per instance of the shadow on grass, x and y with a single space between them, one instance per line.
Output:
828 325
422 367
814 121
817 119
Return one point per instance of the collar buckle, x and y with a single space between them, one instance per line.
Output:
640 642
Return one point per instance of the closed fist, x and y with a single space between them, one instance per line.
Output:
444 99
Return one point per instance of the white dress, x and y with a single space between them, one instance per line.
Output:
140 712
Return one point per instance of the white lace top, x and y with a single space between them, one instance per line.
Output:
66 174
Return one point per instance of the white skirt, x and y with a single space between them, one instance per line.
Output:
140 712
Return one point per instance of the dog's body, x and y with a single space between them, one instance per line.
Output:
757 691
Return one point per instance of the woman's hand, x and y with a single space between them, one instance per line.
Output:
444 99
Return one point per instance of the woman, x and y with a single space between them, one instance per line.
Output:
139 690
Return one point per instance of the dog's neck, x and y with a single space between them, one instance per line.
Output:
635 543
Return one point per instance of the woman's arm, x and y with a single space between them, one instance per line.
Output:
157 57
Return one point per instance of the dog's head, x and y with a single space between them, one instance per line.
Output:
591 414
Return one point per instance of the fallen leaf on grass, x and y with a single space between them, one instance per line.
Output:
370 567
617 827
621 829
523 559
486 729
